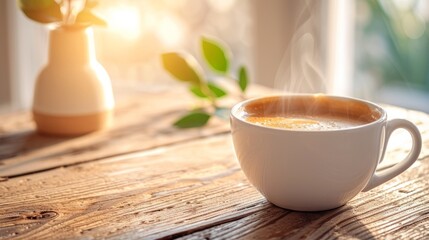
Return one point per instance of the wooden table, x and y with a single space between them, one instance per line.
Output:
143 179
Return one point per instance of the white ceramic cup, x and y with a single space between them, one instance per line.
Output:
317 170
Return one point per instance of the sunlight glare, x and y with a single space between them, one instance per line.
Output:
222 6
149 21
125 20
170 31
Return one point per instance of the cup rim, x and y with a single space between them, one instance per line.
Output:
235 110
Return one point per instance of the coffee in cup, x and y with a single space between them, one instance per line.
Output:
315 152
308 113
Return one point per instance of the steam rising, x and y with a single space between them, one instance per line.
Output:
300 68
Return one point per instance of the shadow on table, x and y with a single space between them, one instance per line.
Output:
18 143
337 223
31 151
272 222
23 142
340 222
156 126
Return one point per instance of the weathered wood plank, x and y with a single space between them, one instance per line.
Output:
391 212
193 190
172 185
139 125
142 121
142 192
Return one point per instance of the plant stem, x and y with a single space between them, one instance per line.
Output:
211 97
70 13
67 12
230 77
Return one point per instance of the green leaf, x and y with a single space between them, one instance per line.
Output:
196 90
216 91
43 11
182 66
242 78
215 55
86 17
193 119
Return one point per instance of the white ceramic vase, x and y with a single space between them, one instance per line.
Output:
73 93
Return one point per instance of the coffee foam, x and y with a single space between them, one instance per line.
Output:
315 112
303 122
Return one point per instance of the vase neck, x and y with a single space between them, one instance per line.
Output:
71 46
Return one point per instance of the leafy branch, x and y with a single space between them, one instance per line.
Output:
185 68
63 12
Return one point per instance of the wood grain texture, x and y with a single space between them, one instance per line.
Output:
142 121
194 190
398 210
146 180
140 124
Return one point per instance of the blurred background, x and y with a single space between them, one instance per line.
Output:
372 49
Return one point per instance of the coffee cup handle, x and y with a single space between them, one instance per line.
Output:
385 175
